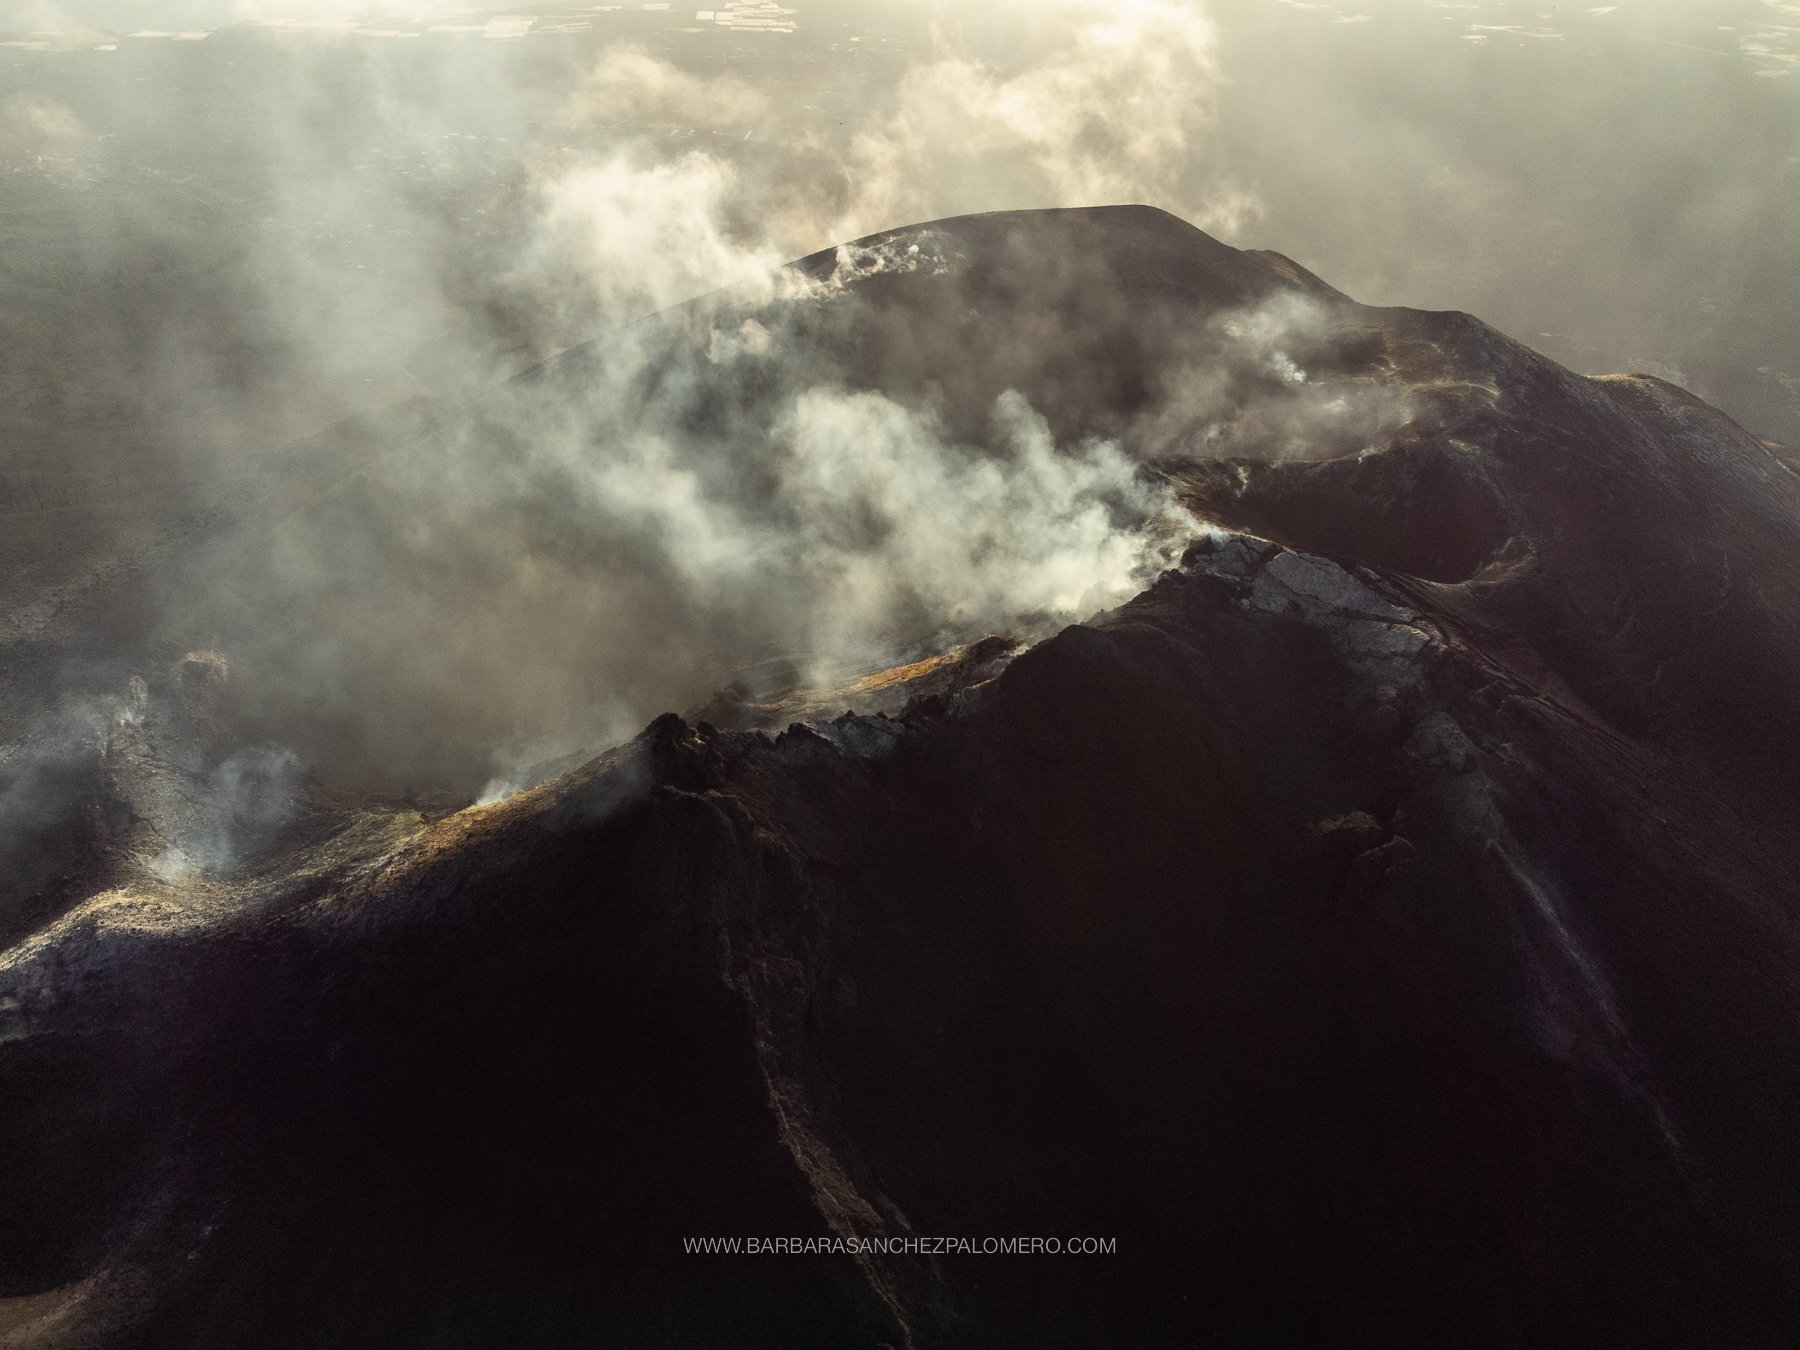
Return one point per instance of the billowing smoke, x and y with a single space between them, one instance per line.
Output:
574 552
542 568
223 243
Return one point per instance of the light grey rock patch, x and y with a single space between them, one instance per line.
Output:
1300 576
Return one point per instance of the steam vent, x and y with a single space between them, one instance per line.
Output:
1346 873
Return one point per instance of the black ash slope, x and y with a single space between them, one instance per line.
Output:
1383 926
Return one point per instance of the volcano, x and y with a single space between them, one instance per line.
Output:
1380 928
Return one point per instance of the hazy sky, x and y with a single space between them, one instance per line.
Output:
1615 184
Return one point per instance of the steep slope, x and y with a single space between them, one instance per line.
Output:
1382 926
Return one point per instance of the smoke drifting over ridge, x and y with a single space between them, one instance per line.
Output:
532 572
532 195
1605 184
232 242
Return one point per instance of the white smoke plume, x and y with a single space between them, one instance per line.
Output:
220 247
543 573
1072 103
242 802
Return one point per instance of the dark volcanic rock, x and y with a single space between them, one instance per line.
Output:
1382 927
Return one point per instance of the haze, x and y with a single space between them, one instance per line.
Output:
1612 183
227 226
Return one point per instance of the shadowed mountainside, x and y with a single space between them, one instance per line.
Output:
1382 925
